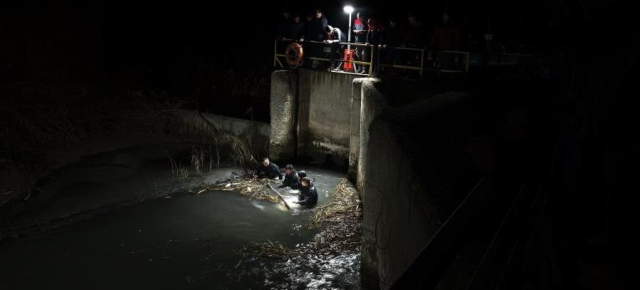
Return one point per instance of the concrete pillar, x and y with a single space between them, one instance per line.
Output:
354 131
372 104
283 114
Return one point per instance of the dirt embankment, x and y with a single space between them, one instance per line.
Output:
47 137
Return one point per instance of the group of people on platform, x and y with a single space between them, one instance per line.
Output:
386 41
372 38
296 180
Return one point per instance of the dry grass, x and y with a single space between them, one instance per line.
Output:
240 150
340 221
249 187
340 224
35 113
198 157
344 203
273 250
177 170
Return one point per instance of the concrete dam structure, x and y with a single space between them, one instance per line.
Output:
412 164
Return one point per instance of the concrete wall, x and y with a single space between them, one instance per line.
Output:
235 126
414 168
324 115
282 145
398 216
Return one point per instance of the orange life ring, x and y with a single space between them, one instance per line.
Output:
294 54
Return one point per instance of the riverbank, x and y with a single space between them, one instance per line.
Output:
98 183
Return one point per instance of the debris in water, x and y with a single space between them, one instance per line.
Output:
340 224
249 187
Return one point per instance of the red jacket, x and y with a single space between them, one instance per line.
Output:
445 38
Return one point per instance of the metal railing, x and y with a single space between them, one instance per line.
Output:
393 57
326 52
398 60
452 61
369 63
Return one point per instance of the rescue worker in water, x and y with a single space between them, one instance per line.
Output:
308 193
268 170
291 178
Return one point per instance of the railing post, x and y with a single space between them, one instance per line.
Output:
421 61
275 52
331 61
371 62
466 67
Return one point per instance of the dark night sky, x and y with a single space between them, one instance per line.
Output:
138 30
186 46
102 36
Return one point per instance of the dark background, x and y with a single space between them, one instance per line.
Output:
82 61
221 53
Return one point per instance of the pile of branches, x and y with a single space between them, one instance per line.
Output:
340 220
272 250
340 224
344 203
246 186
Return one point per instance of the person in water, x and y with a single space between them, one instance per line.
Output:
308 193
291 178
268 170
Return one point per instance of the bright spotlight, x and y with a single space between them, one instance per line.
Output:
348 9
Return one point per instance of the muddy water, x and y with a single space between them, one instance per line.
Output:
182 242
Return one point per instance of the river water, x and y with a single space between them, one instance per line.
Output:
181 242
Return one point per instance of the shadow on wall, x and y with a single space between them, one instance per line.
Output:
419 162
